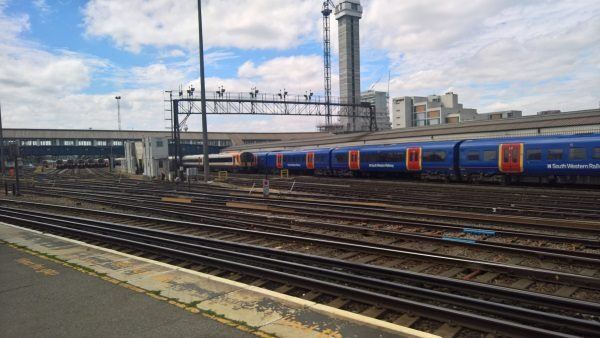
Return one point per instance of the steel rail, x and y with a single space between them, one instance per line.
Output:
579 256
361 247
557 321
391 209
591 243
582 256
413 222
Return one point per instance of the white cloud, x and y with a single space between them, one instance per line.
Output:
297 73
531 55
42 6
47 87
247 24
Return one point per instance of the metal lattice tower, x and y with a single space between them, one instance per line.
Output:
326 11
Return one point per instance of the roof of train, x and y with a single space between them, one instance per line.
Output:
537 139
527 125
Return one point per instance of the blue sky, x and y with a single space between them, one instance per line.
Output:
63 61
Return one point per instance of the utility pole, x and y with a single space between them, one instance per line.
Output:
118 98
326 11
203 96
1 145
111 160
18 183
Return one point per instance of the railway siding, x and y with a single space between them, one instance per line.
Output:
473 261
246 307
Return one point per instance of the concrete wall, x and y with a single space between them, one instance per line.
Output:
348 13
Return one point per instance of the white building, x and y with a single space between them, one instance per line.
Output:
499 115
417 111
134 153
380 101
156 156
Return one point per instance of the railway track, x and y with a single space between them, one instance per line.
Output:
386 255
358 210
555 203
371 249
355 285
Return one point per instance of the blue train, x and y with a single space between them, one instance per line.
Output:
541 159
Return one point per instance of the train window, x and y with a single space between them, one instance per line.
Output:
555 154
341 158
490 155
321 158
505 154
220 160
596 153
293 158
434 156
577 154
473 156
387 156
534 154
515 155
367 157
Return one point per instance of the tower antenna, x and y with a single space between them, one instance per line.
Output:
326 11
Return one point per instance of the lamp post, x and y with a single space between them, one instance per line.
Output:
111 161
1 146
203 95
118 98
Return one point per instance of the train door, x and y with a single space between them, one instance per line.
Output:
413 159
354 159
279 161
511 158
310 161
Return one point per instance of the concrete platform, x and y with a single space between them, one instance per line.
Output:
53 286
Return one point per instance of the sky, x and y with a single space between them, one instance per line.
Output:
62 62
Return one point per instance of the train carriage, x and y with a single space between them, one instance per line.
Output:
568 159
425 159
562 159
383 158
225 161
304 161
436 159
